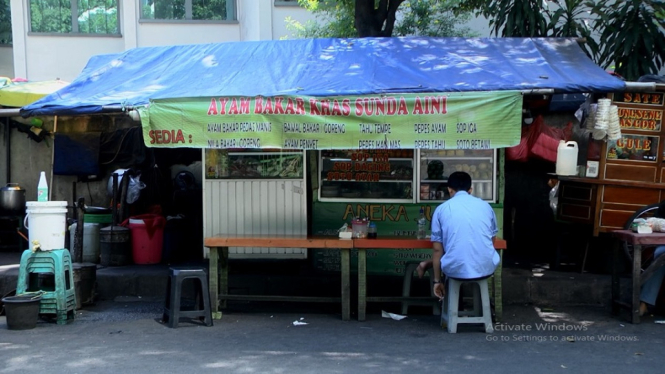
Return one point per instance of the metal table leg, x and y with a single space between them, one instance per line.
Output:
219 281
346 283
362 283
637 270
498 291
616 285
213 263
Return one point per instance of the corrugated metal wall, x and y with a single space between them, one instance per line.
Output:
270 207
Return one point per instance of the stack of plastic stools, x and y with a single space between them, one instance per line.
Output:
59 296
409 269
172 305
451 315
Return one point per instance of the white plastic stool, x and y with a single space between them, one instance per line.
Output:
451 316
409 269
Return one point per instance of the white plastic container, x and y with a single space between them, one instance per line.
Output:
91 249
566 158
46 223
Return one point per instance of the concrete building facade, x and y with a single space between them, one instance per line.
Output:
44 54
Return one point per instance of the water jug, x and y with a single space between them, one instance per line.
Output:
566 158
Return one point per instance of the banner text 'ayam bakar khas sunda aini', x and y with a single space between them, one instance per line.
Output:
469 120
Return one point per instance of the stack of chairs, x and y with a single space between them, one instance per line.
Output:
50 272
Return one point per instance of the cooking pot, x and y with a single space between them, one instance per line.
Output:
12 200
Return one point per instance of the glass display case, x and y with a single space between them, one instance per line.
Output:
254 164
366 175
434 166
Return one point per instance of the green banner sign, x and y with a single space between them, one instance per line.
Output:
451 120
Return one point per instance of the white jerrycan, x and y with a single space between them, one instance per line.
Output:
566 158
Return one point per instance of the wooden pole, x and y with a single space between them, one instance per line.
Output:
50 184
78 236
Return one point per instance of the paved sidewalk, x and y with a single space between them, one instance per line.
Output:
125 336
520 286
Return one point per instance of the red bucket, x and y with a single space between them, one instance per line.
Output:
147 238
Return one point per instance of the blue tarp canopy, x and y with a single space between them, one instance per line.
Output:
326 67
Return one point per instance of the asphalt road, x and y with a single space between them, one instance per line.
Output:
127 337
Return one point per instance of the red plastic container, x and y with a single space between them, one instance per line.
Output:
147 238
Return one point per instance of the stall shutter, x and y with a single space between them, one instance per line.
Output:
256 207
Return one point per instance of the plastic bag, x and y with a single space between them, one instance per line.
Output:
134 189
554 197
544 140
657 224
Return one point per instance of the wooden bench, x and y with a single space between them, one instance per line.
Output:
219 267
405 243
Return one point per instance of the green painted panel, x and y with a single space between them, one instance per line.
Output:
391 220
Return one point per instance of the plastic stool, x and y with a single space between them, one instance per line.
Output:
172 311
451 316
59 297
409 269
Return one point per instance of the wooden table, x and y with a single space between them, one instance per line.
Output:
638 241
219 255
400 242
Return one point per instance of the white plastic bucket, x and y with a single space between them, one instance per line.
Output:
91 249
46 222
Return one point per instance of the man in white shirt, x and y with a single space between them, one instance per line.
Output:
463 232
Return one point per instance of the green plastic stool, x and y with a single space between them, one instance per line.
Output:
59 296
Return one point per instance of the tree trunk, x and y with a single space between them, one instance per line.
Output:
376 21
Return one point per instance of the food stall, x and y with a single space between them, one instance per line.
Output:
393 167
622 175
375 124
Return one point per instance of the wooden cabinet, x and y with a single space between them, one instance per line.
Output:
577 202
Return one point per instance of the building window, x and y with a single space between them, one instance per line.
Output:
5 22
74 16
182 10
286 3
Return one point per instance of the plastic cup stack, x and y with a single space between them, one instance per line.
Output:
591 118
602 122
614 131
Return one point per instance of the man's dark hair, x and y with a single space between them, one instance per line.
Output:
459 181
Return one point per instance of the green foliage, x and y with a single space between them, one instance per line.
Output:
335 19
432 18
510 18
632 36
627 34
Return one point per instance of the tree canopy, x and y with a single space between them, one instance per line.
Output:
362 18
627 36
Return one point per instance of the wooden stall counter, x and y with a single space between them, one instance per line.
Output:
408 243
219 267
